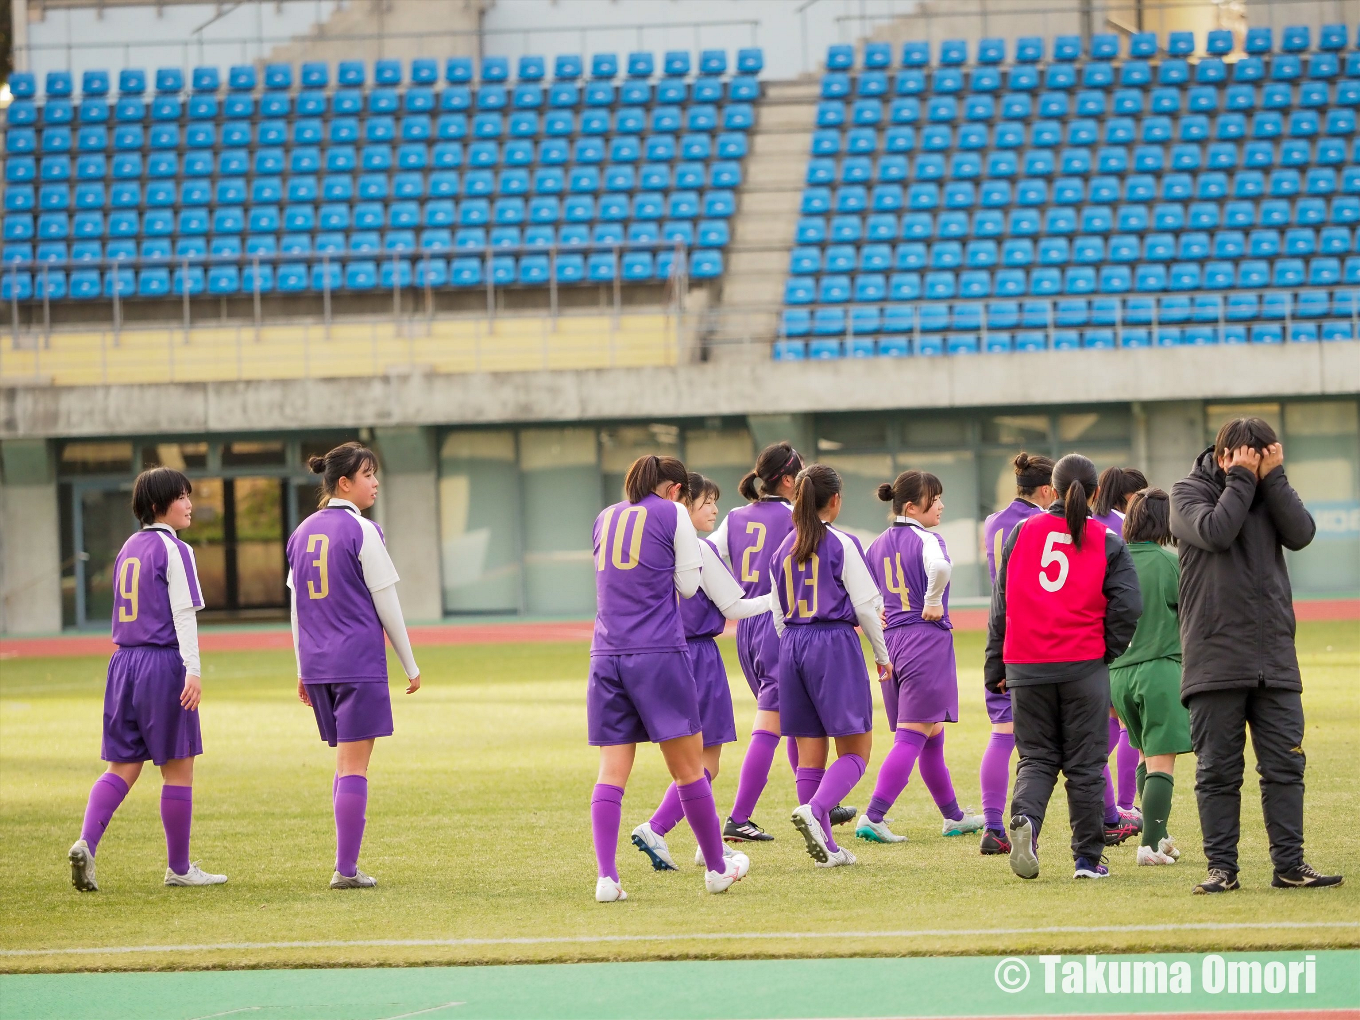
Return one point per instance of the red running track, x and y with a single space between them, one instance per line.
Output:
211 639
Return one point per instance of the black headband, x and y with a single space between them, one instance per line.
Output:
1032 480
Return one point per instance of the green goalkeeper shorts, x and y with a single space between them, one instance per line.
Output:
1147 696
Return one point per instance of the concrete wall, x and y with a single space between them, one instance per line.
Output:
30 539
410 516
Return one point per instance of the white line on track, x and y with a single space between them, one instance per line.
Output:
547 940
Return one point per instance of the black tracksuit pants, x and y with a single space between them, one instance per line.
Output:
1064 727
1218 725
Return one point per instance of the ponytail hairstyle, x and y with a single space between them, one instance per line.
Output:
701 489
650 471
1149 517
920 488
1032 471
345 461
813 490
1074 477
1116 486
774 462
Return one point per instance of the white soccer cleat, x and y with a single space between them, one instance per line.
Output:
82 867
969 823
608 891
1147 856
654 846
358 880
877 832
806 823
1167 846
838 859
194 876
737 867
1024 856
699 854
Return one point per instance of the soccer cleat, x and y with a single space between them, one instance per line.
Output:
963 826
839 859
877 832
1128 826
1305 876
1167 846
736 869
699 854
1217 882
1148 856
195 876
1087 868
842 813
1024 860
995 843
747 832
358 880
806 823
646 840
606 889
82 867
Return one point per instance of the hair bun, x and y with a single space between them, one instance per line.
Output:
316 464
885 492
1022 461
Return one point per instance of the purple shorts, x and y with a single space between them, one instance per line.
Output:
925 678
999 706
823 682
715 696
143 718
758 652
346 712
632 699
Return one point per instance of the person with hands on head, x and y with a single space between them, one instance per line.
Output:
1232 517
343 593
153 689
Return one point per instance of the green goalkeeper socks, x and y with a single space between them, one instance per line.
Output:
1141 774
1157 792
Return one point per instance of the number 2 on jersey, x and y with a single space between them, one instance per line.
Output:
897 582
616 555
1052 555
128 577
749 575
321 545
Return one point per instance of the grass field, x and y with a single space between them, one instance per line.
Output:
479 834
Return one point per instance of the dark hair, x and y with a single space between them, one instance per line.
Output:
154 490
650 471
1149 517
345 461
1032 470
1253 432
700 488
774 462
1074 476
916 487
812 491
1116 486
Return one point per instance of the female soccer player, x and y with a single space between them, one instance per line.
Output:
1066 602
1034 493
1122 820
343 589
1145 682
822 589
153 689
704 616
641 685
911 567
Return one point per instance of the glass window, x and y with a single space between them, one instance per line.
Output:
253 453
318 445
935 430
1104 425
960 524
208 536
96 459
852 432
1013 429
560 498
1216 415
621 445
258 506
724 455
180 456
1322 459
862 513
479 522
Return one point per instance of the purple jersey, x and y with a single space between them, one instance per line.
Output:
335 559
998 528
699 615
638 549
900 561
816 591
1113 521
154 575
751 534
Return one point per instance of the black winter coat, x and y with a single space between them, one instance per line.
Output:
1237 609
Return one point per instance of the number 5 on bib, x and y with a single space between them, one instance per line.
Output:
1051 556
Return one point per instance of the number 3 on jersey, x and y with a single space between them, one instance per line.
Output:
616 555
1051 556
321 545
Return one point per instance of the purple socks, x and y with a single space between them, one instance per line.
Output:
105 796
994 776
177 815
702 815
791 747
669 812
755 772
605 812
895 771
935 774
807 781
1111 804
836 785
1126 758
351 803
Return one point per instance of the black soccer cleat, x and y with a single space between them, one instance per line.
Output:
995 842
1305 876
1218 881
747 832
842 813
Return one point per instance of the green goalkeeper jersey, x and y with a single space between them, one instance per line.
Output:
1159 634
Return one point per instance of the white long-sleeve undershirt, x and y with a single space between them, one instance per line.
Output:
724 592
186 633
937 565
388 608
